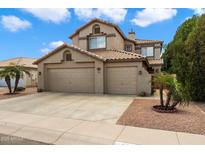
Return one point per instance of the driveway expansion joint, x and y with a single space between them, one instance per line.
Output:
119 134
67 131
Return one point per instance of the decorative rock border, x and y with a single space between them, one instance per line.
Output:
157 108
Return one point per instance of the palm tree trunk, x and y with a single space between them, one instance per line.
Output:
169 94
174 104
8 82
161 96
16 81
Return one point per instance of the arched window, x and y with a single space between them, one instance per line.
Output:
96 29
67 56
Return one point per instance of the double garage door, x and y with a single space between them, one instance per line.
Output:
118 80
71 80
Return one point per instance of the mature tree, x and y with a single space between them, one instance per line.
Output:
195 45
185 56
175 49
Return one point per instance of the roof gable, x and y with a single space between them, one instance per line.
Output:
65 45
99 21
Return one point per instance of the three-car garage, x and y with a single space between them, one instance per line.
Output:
87 72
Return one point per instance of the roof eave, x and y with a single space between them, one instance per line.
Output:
49 54
126 60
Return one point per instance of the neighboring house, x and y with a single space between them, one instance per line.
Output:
26 80
101 60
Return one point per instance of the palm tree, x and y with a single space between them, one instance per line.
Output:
7 74
18 70
13 71
175 92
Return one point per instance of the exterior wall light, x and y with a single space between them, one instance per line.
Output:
140 72
98 69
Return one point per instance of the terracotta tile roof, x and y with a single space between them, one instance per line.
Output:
112 55
106 55
65 45
27 62
155 61
142 41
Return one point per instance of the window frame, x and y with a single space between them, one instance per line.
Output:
96 36
128 46
153 52
65 56
96 26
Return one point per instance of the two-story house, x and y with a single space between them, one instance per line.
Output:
101 59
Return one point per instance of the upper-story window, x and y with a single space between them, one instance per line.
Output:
97 42
67 56
96 29
128 47
147 51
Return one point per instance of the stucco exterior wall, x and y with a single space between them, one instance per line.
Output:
157 53
114 39
99 77
31 80
103 28
75 40
144 81
118 41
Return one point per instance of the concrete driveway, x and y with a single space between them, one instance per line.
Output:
58 118
102 108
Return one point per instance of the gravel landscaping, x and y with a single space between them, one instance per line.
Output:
190 119
4 92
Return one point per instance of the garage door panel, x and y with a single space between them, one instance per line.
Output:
71 80
122 80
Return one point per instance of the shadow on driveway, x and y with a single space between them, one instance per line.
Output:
12 140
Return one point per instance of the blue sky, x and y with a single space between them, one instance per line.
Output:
33 32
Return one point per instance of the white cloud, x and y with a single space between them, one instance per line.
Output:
45 50
150 16
51 46
116 15
50 14
14 24
55 44
199 11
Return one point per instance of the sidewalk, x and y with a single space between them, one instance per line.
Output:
69 131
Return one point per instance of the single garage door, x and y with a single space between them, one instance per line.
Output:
80 80
121 80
